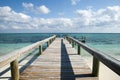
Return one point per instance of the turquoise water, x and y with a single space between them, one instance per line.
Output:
6 48
106 42
12 41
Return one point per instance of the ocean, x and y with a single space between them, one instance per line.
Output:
108 43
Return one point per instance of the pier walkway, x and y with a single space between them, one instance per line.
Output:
59 61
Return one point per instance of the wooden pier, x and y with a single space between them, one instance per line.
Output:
59 61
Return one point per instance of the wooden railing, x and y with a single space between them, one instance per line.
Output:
12 58
107 60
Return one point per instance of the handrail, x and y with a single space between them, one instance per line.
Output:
13 56
107 60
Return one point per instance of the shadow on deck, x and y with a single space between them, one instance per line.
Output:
33 58
67 72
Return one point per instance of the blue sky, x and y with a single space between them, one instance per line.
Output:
41 16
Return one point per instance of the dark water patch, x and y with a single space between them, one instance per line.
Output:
22 37
103 38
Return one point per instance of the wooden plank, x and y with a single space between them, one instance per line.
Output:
111 62
58 62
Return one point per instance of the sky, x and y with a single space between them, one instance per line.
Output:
59 16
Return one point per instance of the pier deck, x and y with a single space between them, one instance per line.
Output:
58 62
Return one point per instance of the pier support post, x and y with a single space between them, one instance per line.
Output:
40 49
79 50
95 68
14 70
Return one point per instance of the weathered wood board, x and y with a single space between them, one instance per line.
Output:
58 62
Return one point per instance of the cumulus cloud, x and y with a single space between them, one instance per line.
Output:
29 7
74 2
109 16
86 16
102 20
42 9
17 21
10 18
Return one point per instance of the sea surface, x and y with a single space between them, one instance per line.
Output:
108 43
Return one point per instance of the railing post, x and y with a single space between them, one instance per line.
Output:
75 43
68 40
95 68
47 43
72 43
79 50
14 70
40 49
54 38
50 41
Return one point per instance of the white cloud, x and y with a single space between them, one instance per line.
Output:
29 7
11 18
43 9
86 15
5 10
109 16
102 20
23 16
16 27
74 2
